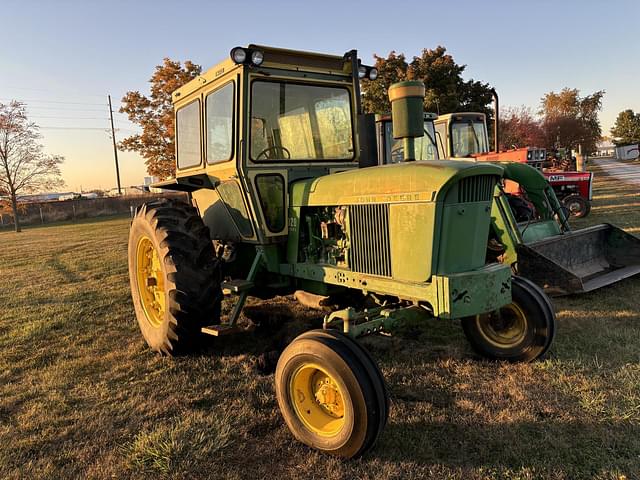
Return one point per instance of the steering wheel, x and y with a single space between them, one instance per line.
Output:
275 148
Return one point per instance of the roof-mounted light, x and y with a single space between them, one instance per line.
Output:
366 72
246 56
257 57
238 55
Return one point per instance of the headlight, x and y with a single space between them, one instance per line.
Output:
373 73
257 57
238 55
362 71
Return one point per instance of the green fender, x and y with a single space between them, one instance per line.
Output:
540 193
533 183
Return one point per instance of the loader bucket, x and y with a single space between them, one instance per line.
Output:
580 261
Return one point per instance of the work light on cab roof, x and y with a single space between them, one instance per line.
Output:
247 56
367 72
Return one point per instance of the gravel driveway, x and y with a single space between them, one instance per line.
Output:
626 172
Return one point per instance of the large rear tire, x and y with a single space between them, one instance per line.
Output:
174 276
328 396
519 332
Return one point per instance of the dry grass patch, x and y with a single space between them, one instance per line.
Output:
82 397
179 445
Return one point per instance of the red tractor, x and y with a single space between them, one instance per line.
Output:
573 189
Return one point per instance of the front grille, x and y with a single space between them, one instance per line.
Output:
476 189
370 250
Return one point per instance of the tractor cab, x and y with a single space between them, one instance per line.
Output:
253 124
461 135
391 150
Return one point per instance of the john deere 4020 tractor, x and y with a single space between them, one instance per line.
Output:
268 145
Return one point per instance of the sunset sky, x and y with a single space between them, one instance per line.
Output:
62 58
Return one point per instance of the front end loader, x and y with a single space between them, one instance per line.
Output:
268 145
530 228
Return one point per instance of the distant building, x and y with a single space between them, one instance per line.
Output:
45 197
605 149
127 191
148 181
67 196
628 152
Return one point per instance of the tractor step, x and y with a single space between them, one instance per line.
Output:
236 287
224 329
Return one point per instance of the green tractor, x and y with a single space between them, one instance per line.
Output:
268 148
530 230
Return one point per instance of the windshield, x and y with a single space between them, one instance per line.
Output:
425 146
468 138
300 122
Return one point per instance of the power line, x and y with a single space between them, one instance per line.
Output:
105 129
52 127
50 101
69 118
29 107
52 91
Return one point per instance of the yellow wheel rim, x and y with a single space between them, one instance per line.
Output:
150 281
317 400
504 328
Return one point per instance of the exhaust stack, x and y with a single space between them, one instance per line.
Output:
407 105
496 121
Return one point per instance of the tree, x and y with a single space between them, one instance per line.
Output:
571 120
446 91
390 70
24 167
154 114
626 130
519 128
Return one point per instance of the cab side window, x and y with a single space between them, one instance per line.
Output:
188 135
271 194
219 124
441 137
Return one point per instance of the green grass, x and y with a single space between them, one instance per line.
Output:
81 396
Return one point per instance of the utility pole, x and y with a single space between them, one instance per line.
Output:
115 147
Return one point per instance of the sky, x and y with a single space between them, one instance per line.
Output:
62 58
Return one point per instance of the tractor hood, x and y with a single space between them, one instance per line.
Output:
401 182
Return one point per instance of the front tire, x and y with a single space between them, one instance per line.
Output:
519 332
174 276
578 206
328 395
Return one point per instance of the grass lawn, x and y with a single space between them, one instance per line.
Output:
81 396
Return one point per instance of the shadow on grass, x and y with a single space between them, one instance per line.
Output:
578 449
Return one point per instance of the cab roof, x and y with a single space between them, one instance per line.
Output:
280 58
385 117
460 115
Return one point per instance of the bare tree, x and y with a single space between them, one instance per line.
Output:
24 167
